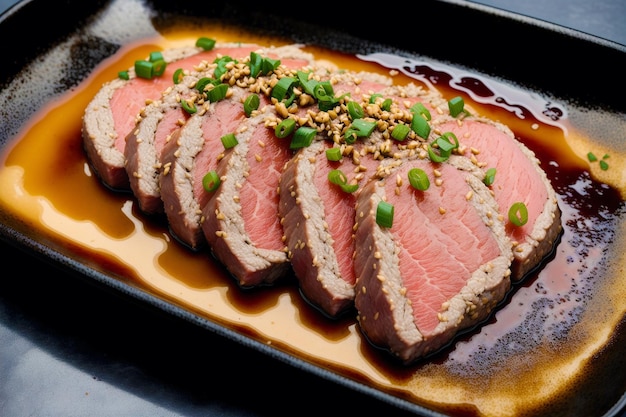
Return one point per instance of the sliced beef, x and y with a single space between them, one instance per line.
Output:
241 221
317 219
318 216
159 119
519 178
112 113
195 149
441 267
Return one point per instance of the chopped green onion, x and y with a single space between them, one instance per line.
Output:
222 66
418 179
518 214
355 110
154 66
218 93
386 106
360 128
419 108
445 144
205 43
255 64
143 69
285 128
178 76
124 75
211 181
229 140
333 154
156 56
303 137
337 177
420 126
373 97
268 65
490 176
456 105
591 157
363 127
188 107
251 103
203 82
384 214
283 88
400 132
604 165
308 85
158 67
444 147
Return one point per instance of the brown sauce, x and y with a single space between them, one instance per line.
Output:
533 356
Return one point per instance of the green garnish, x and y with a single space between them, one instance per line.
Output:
518 214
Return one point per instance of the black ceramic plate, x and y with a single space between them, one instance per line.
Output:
576 73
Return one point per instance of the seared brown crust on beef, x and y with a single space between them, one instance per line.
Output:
385 313
143 158
310 243
98 128
182 207
98 133
547 228
224 223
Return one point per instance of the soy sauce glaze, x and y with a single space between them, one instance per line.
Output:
542 327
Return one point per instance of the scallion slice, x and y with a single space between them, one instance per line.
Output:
155 56
373 97
218 93
203 82
384 214
251 103
178 76
355 110
229 140
400 132
188 107
143 69
418 179
285 128
308 85
337 177
268 65
211 181
255 64
283 88
456 106
205 43
124 75
518 214
386 106
419 108
420 126
490 176
158 67
302 137
333 154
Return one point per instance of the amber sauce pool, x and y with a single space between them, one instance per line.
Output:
533 355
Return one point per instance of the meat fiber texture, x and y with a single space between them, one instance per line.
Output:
196 148
158 120
441 267
111 115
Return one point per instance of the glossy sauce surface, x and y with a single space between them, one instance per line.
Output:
533 355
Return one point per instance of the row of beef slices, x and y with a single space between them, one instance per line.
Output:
443 265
